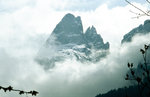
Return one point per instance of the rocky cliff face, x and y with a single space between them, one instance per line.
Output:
141 29
69 41
69 30
95 40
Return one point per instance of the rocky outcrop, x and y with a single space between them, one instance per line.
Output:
141 29
69 41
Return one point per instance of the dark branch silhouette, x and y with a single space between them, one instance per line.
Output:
148 1
143 79
10 88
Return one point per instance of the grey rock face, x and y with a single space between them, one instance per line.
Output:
141 29
69 30
69 41
95 40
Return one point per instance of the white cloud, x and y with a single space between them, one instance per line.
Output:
108 22
113 23
74 5
70 78
12 5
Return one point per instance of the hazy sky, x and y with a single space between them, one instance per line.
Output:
41 16
76 5
26 24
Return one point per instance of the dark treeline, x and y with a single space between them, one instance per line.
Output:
132 91
139 75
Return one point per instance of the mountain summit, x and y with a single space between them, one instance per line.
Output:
69 30
69 41
141 29
94 39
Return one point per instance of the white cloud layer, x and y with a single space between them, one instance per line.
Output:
23 32
71 78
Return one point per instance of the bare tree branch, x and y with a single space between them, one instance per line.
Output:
138 7
148 1
138 15
143 79
10 88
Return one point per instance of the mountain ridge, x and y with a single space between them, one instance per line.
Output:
71 41
141 29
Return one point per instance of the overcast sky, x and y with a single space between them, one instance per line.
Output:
41 16
26 24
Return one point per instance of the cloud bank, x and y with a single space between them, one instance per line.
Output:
71 78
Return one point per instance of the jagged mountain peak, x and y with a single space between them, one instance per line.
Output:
69 24
141 29
69 15
72 42
92 36
146 25
91 30
146 22
71 18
